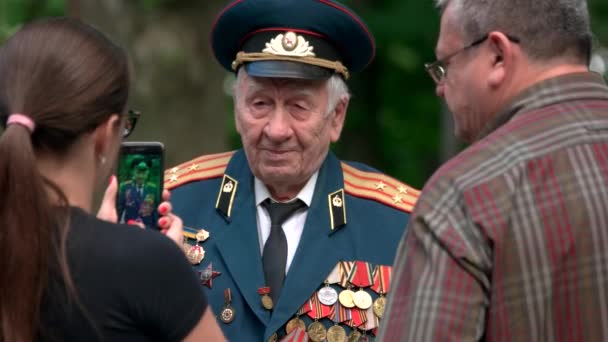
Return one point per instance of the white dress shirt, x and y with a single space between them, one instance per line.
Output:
293 226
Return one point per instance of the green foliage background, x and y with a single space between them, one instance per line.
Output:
394 120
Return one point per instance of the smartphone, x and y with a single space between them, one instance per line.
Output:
140 173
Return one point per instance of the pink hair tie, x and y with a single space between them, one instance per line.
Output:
23 120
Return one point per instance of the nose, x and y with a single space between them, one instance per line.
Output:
278 126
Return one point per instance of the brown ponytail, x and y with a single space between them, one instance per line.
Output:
68 78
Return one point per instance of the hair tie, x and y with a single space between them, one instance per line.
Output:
23 120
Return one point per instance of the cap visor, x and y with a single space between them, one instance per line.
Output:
287 69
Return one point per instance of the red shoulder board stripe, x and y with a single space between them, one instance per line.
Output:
204 167
379 187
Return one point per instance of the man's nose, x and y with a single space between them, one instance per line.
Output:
278 127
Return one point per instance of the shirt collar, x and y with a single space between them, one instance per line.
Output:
575 86
305 195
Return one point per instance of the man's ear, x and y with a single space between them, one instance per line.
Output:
501 58
337 119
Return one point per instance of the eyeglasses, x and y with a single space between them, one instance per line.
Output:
132 117
439 70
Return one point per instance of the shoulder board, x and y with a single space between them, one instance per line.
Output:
380 188
204 167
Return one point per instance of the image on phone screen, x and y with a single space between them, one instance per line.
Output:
140 186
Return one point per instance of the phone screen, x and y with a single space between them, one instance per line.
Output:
140 183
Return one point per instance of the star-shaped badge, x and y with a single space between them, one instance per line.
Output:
207 275
380 186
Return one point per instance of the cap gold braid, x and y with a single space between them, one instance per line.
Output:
243 57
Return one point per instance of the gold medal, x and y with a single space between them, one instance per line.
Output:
195 254
293 324
346 298
379 306
273 338
354 336
227 314
336 334
267 302
327 295
202 235
317 332
362 300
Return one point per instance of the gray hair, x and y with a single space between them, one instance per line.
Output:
547 29
337 90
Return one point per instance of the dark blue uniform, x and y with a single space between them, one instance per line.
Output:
357 214
376 208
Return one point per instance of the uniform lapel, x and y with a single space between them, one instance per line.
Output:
239 244
319 250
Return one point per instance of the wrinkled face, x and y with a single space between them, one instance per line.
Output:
463 86
285 128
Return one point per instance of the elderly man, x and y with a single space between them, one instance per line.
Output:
287 238
508 240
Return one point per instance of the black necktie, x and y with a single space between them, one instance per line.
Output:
274 257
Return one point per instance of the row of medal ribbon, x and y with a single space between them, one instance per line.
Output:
353 306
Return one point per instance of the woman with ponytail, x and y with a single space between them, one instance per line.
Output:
64 274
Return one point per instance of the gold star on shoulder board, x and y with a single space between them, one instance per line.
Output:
173 179
397 199
402 189
174 170
380 186
192 167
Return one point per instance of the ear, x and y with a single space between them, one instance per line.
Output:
107 137
337 120
501 58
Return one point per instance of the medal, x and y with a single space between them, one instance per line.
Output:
362 300
293 324
317 332
195 254
273 338
362 274
228 312
266 300
346 298
336 334
354 336
358 318
207 275
379 306
382 279
327 295
202 235
318 310
344 272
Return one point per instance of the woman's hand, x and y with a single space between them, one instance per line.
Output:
170 224
107 210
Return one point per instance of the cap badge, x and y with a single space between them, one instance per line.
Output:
289 44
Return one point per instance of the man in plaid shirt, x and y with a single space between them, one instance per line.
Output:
509 240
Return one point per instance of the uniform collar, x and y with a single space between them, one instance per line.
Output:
305 195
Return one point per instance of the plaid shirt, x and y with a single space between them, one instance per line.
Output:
509 240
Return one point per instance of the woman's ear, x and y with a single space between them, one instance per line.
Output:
107 137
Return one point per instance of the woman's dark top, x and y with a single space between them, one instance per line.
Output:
132 285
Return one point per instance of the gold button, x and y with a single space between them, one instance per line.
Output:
273 338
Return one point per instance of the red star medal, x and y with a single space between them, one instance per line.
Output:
207 275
